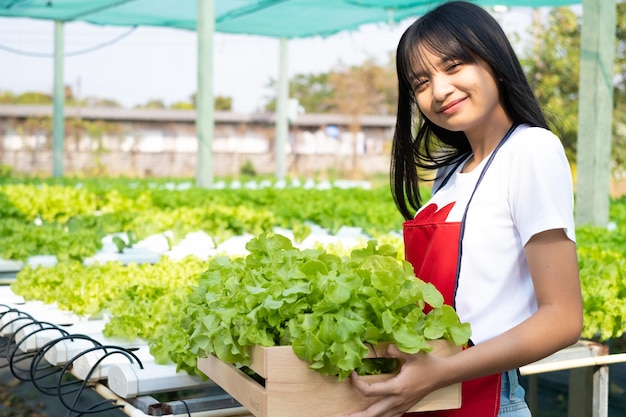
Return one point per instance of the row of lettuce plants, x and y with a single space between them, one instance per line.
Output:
142 300
70 220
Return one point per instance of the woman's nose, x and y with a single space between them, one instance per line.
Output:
441 88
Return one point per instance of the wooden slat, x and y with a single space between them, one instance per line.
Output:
291 388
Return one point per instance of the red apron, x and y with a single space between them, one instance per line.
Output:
431 246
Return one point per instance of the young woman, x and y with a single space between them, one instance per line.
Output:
497 236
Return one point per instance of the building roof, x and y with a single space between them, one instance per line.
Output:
120 114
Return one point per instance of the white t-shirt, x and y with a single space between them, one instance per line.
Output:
526 190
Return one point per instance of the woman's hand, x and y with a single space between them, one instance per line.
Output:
555 325
416 379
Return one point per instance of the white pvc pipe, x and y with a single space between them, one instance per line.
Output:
39 312
127 408
129 381
30 339
10 321
6 293
65 350
573 363
86 363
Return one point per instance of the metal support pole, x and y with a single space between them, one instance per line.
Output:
58 110
600 401
580 391
204 97
595 110
282 103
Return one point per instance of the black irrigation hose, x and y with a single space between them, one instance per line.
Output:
2 313
35 369
101 406
67 390
20 316
186 407
26 355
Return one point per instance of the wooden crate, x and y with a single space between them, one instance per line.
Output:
292 389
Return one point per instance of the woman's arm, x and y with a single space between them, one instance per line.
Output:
557 324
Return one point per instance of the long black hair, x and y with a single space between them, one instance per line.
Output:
466 32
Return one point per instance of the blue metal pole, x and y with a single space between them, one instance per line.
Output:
595 111
282 102
58 119
204 98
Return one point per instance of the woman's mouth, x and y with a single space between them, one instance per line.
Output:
452 106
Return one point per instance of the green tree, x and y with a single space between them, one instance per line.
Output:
39 98
152 104
99 102
552 63
368 88
365 89
7 97
619 114
32 97
222 103
314 92
182 105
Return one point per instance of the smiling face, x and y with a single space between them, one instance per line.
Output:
457 94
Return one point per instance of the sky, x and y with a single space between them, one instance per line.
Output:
149 63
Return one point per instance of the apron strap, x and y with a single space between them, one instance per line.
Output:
463 219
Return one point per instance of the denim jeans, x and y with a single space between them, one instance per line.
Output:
512 402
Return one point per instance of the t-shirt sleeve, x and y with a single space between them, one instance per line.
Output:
541 192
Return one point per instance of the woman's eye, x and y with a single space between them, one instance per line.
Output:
418 84
453 66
